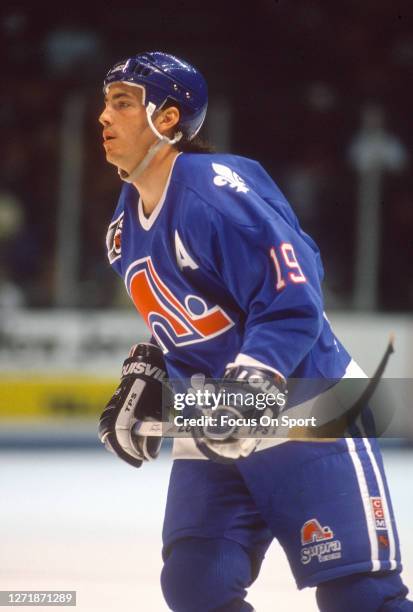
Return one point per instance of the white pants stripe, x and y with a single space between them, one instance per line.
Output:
365 498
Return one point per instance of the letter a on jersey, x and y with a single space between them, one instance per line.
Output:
184 260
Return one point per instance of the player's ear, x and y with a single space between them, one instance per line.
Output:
167 120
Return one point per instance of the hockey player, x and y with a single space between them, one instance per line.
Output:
216 263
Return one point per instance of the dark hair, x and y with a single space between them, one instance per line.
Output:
196 145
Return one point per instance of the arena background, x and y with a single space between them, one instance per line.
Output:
320 94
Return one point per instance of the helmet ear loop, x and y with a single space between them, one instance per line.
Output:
150 109
162 140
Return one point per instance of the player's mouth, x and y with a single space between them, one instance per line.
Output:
107 137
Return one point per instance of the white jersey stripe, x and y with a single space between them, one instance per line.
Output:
382 491
365 498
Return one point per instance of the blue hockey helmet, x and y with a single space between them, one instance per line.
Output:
165 78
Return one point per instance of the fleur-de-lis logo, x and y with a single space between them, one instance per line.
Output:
226 176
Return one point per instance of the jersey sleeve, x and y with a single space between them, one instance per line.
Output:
272 273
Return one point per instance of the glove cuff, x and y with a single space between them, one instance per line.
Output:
263 380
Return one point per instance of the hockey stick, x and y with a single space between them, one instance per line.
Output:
336 428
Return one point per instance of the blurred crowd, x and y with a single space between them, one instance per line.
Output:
304 83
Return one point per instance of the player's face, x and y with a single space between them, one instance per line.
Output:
126 133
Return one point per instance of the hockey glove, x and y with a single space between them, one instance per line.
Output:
249 393
131 424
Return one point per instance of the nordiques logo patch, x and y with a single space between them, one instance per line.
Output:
318 542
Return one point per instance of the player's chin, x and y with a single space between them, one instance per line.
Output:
112 158
112 146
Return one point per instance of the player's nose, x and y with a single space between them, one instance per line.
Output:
104 117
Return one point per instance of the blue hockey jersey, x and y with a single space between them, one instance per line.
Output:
222 273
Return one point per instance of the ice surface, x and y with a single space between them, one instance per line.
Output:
82 520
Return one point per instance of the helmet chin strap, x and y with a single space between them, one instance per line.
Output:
134 174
